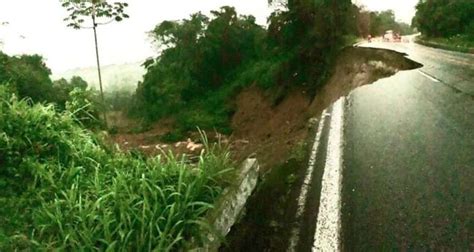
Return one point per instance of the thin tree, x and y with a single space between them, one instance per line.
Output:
99 12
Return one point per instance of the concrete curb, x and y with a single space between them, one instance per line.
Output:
230 205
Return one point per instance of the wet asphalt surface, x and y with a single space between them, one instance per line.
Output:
408 176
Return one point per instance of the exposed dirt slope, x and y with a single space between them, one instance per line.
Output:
273 132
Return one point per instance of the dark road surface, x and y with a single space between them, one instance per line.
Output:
408 176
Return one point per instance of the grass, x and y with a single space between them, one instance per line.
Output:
61 188
459 43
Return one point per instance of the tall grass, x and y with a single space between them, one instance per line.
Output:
62 189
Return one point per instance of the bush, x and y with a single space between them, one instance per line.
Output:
62 189
82 106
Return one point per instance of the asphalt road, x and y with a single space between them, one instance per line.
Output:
408 157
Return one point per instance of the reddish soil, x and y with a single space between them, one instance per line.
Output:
148 141
272 132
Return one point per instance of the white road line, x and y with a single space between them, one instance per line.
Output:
428 76
306 183
327 236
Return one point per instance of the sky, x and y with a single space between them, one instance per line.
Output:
38 27
404 9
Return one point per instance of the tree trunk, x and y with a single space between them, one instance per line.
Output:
98 70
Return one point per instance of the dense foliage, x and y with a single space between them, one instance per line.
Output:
445 18
305 36
83 105
28 75
61 188
204 60
62 89
199 57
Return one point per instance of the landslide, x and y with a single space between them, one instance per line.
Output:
274 132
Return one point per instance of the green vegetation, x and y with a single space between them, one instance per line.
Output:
96 11
460 43
447 24
444 18
205 61
62 188
201 56
28 75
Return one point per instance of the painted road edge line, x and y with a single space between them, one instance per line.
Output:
428 76
328 226
295 232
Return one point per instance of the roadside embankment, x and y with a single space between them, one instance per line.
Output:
281 136
458 44
276 131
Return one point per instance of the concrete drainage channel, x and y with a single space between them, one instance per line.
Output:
230 206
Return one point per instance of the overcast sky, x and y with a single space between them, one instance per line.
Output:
404 9
37 27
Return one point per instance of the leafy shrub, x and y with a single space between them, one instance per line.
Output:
34 135
82 106
62 189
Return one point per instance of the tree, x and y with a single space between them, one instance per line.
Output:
63 89
199 56
100 13
444 18
28 75
307 34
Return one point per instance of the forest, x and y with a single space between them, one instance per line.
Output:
447 23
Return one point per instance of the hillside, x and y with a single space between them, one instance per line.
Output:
120 76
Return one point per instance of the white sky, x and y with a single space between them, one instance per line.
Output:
404 9
38 27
